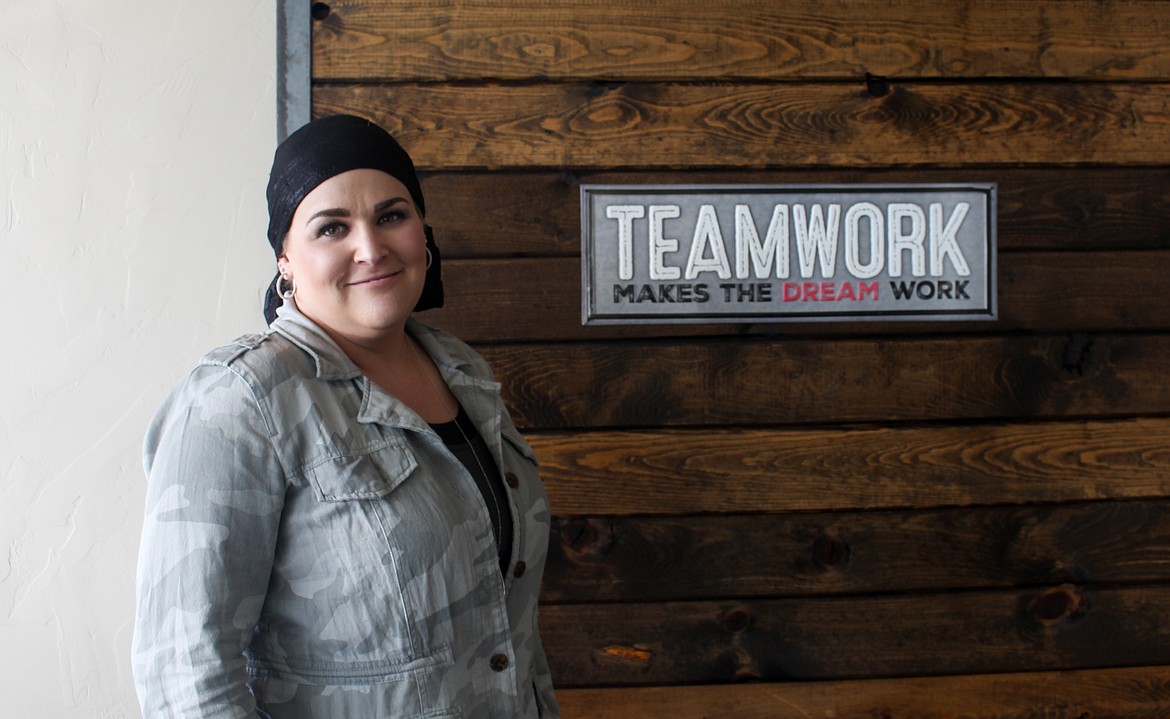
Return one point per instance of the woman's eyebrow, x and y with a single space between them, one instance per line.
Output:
342 212
387 203
331 212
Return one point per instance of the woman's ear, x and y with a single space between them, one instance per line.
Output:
282 258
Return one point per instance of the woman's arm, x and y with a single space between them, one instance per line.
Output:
214 498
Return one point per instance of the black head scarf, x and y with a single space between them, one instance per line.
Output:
323 149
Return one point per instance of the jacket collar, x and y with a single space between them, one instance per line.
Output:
332 363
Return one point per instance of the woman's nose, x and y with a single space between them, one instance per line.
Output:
368 246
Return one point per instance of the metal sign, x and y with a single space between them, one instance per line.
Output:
780 253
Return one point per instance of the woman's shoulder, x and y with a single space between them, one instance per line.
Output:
248 371
263 343
264 357
238 380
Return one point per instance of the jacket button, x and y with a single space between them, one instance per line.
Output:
512 480
520 569
499 662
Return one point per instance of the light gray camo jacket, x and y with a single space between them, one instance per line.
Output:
311 548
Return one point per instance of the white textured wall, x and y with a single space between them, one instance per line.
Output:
135 138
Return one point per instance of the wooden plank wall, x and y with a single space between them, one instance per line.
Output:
829 520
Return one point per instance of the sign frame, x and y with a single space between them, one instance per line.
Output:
589 193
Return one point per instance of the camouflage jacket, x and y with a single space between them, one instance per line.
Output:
312 549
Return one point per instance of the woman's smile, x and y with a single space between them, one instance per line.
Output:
376 281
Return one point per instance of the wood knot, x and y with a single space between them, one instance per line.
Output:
1057 603
598 89
582 537
736 621
1076 353
876 86
321 10
830 552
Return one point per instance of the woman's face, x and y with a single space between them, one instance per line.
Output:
356 250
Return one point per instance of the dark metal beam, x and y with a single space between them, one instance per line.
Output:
293 65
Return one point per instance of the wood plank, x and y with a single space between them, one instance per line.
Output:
664 472
1126 693
777 382
690 126
442 40
1057 628
499 214
539 300
642 559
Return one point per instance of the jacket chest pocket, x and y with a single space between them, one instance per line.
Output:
372 472
392 498
345 579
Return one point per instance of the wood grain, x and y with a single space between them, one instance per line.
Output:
694 126
532 213
903 519
665 472
539 300
1061 627
788 382
441 40
654 559
1126 693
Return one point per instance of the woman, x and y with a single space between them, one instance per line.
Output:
342 520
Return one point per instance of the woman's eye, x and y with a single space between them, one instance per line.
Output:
332 229
391 216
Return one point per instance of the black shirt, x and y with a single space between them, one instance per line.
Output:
468 446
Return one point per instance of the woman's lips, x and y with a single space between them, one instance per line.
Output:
376 281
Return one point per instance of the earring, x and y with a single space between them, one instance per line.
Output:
289 291
430 258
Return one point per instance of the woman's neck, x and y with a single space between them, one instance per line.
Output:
375 352
396 363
